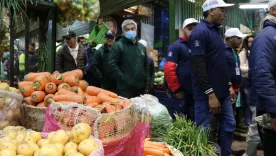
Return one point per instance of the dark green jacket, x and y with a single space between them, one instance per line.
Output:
101 70
129 64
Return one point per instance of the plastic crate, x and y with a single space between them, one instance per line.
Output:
98 36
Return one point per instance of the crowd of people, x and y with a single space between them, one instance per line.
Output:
205 75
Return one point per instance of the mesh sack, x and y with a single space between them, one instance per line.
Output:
131 145
9 109
33 117
60 116
111 127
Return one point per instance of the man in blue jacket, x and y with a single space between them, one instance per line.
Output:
211 80
263 73
178 73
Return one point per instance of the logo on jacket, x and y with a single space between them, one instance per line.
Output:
274 37
142 52
197 43
170 54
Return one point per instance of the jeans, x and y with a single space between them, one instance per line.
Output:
245 100
226 121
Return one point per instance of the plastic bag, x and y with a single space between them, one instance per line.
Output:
132 145
9 109
160 115
59 116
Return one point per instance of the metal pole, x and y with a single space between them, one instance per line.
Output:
51 41
11 49
172 35
27 38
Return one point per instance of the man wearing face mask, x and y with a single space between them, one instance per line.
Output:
128 63
100 68
178 73
211 81
71 56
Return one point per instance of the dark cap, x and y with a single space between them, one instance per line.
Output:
109 34
70 34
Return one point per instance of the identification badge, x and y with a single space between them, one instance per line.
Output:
238 71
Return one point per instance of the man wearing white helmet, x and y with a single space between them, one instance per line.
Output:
178 73
262 74
211 82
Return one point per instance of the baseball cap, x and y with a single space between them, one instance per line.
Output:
189 21
109 33
145 43
271 3
70 34
211 4
234 32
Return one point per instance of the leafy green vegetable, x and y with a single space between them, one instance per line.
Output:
186 137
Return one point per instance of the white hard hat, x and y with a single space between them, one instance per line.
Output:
145 43
189 21
234 32
271 3
211 4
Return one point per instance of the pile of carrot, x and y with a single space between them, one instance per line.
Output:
155 148
41 89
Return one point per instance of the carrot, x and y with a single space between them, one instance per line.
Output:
38 96
125 102
65 91
40 82
165 150
81 93
155 152
110 109
29 101
79 72
64 86
32 76
48 99
41 104
50 88
91 99
93 91
95 104
72 80
23 83
57 78
114 95
155 144
68 97
27 90
105 98
83 85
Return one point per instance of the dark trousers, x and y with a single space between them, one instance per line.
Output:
130 93
92 80
245 101
268 138
182 106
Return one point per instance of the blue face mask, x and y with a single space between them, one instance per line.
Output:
130 35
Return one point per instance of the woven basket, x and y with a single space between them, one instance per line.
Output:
33 117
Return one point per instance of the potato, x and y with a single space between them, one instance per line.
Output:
25 149
49 150
72 153
60 147
35 135
87 146
8 146
43 142
8 101
34 146
29 139
80 132
59 137
69 146
9 115
7 153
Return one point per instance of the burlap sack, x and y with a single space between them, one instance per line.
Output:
32 117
